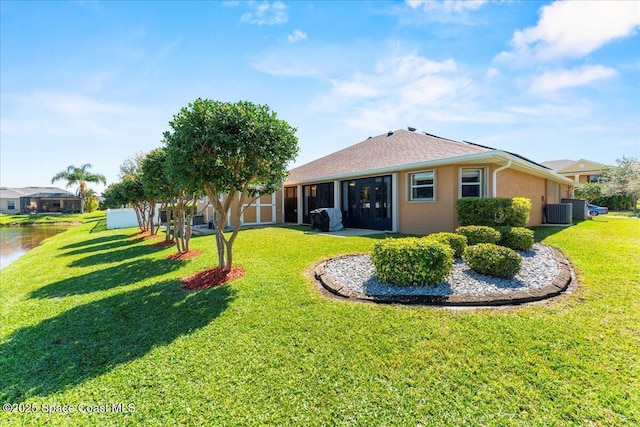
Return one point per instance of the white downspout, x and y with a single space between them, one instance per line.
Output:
494 182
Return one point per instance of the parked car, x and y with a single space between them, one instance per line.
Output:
597 210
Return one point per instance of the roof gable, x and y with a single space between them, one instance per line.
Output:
572 166
397 148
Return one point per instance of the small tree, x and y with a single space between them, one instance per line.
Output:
157 186
589 191
113 196
135 197
236 152
623 179
91 201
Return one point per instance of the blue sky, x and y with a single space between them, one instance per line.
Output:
97 82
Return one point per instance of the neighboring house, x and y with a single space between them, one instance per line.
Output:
580 171
408 182
10 200
37 200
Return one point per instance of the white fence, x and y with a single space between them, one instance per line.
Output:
125 218
121 218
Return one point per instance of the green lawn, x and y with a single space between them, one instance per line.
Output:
47 219
96 317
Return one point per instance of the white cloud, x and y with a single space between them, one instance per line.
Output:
267 13
70 114
399 88
296 36
555 80
573 29
319 62
492 73
448 6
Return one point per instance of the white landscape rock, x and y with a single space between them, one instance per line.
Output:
356 272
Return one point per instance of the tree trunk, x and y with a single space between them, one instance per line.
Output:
167 209
81 194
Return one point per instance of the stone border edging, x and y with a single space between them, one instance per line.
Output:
560 283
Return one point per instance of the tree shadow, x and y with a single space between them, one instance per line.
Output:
119 255
97 240
99 226
99 247
107 278
90 340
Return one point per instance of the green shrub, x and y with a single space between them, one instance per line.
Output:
457 242
412 261
517 214
493 260
479 234
518 238
493 211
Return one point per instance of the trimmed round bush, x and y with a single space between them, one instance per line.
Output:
457 242
518 238
412 261
493 260
479 234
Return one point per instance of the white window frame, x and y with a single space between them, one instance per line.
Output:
9 207
482 184
411 186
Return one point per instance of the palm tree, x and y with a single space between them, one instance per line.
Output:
79 176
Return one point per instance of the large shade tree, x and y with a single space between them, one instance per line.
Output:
236 152
623 179
79 176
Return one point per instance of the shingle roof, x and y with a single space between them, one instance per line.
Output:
15 193
397 148
10 193
45 192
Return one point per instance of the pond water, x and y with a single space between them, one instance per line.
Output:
16 241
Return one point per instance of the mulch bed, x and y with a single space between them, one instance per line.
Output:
211 278
185 255
146 236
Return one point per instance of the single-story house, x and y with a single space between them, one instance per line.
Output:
406 181
581 171
37 200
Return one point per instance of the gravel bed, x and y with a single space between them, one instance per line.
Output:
356 272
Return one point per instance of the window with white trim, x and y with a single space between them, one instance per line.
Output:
423 185
471 182
11 205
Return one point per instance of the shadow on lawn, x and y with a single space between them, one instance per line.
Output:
121 254
97 240
90 340
108 278
103 246
541 232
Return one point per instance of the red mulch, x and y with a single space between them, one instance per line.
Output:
211 278
146 236
163 243
185 255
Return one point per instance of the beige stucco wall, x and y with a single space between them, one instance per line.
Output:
425 217
4 205
513 183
